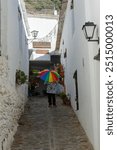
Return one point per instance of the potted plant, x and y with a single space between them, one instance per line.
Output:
65 99
21 78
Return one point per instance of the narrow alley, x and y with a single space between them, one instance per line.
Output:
44 128
44 41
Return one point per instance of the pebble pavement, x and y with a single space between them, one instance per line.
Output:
44 128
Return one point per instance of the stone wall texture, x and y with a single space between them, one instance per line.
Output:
11 106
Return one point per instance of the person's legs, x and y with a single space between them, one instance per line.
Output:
54 99
49 99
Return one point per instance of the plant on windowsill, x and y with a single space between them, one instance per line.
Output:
21 78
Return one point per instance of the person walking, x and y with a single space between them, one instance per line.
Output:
51 92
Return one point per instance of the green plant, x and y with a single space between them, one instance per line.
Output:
65 99
63 95
21 78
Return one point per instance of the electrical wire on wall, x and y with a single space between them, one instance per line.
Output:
50 35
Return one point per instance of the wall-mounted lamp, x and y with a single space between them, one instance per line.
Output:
89 29
34 34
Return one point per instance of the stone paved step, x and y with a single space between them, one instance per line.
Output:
43 128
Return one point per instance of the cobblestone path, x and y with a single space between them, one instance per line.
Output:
43 128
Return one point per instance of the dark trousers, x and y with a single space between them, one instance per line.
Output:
51 99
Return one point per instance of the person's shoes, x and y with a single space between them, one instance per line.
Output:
55 105
49 105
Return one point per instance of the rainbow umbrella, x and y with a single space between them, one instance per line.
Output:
49 75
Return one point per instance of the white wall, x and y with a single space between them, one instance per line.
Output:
80 55
45 26
14 50
35 56
16 41
3 46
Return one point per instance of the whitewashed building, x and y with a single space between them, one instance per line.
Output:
13 56
45 42
81 66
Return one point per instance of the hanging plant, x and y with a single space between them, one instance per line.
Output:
21 78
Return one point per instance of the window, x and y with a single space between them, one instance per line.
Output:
76 89
19 13
65 53
72 4
72 15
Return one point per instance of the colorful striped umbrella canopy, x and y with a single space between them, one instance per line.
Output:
49 75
